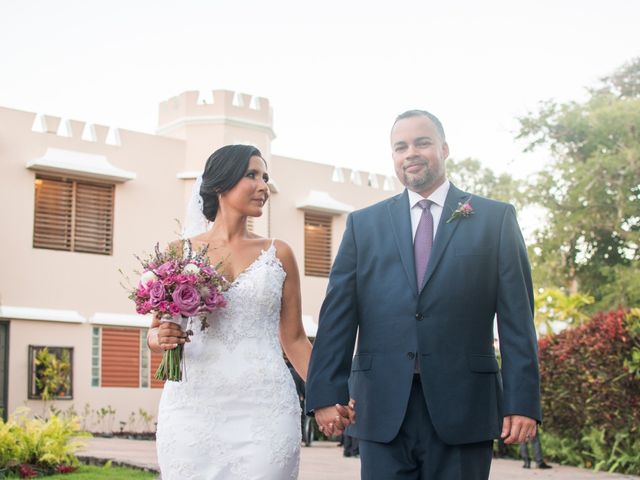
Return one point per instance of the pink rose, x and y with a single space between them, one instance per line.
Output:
143 308
142 291
166 269
187 299
156 293
207 270
466 209
214 300
174 309
183 279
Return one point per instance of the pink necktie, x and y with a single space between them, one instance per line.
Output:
423 241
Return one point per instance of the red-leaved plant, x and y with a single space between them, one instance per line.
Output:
586 381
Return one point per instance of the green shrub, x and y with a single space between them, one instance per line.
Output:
563 450
594 451
39 443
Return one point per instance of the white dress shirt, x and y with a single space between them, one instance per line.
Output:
437 197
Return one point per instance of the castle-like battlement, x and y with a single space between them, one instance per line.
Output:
215 105
74 129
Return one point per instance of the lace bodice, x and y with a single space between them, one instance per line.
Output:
236 383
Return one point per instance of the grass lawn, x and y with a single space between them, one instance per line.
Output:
89 472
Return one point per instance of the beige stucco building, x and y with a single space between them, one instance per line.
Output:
78 200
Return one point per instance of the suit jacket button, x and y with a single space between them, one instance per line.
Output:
411 355
419 316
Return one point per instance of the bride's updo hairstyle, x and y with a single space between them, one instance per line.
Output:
223 170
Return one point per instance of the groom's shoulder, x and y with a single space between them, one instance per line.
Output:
484 202
489 202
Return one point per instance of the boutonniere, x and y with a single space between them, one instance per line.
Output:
464 210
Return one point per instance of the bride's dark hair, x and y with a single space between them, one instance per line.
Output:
223 170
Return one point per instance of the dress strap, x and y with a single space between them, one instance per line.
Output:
273 241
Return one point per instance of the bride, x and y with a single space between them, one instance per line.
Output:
236 414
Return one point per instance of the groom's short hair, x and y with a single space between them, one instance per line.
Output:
423 113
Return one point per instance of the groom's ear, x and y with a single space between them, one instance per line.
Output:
445 150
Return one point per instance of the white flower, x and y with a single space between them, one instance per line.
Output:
147 277
191 268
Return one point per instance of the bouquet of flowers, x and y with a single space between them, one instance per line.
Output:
177 284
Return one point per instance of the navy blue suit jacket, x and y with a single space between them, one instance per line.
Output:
478 269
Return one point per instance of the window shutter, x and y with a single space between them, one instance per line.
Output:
73 215
120 363
156 358
93 231
53 213
317 244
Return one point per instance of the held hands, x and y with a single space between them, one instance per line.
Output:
518 429
333 420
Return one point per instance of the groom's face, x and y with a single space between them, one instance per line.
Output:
419 154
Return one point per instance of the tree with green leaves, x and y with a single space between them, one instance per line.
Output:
555 309
469 174
591 191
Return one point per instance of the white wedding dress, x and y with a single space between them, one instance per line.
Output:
236 414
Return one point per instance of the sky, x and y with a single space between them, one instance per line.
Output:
336 72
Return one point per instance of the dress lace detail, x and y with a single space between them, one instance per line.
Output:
237 415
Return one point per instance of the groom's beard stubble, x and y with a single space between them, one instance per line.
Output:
421 180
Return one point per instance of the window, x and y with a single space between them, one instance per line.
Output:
144 359
50 373
120 358
95 357
317 244
73 215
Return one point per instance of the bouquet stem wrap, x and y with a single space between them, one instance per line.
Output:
172 365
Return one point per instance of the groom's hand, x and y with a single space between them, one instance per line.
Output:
334 419
518 429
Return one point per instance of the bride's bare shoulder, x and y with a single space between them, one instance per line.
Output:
284 252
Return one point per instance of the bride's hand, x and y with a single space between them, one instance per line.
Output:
347 412
170 335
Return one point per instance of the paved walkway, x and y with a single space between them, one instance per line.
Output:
324 461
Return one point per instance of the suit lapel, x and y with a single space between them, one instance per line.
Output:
445 230
401 221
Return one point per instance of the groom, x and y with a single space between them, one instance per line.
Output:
418 279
